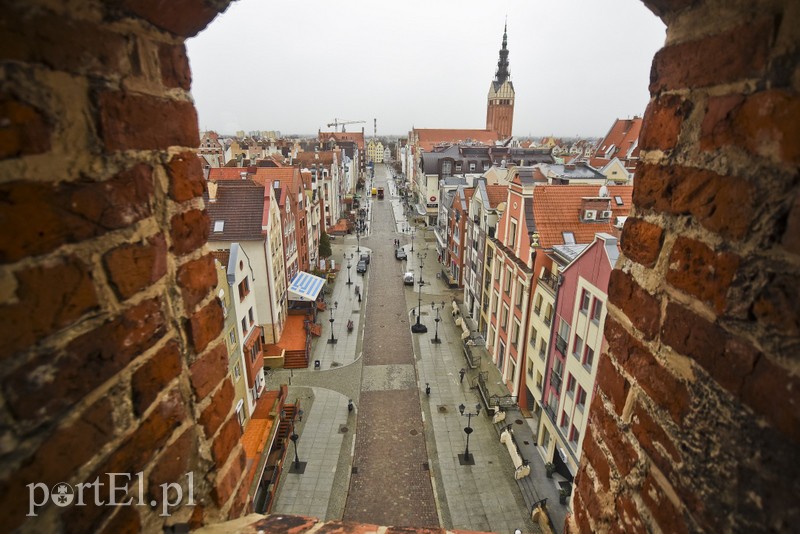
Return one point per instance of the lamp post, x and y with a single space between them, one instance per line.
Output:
412 239
419 328
436 336
349 282
466 458
358 241
421 256
332 340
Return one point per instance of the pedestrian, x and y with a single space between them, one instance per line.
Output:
461 374
335 304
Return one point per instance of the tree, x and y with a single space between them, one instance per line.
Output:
324 245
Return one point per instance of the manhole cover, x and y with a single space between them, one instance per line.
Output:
343 429
442 409
414 432
518 421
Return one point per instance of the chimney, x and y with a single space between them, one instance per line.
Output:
243 175
212 191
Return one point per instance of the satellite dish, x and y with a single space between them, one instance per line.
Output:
603 192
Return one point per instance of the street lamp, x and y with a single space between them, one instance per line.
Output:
419 328
297 467
358 241
349 282
466 458
412 240
421 256
332 340
436 336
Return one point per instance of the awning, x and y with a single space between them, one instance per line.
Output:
305 287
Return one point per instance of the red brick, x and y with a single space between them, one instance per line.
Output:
763 123
736 54
209 371
189 231
642 241
582 522
699 271
48 298
777 307
774 392
70 212
152 377
226 440
51 383
649 433
629 516
216 412
205 325
623 453
185 177
39 37
57 459
134 454
172 466
24 130
669 518
125 521
174 64
596 457
611 383
133 267
196 278
661 385
722 204
239 507
181 17
791 234
226 481
141 122
662 122
642 308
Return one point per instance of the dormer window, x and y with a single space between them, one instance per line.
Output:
218 226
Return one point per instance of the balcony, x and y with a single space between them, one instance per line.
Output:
550 282
555 380
561 345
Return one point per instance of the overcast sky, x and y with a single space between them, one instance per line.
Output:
294 66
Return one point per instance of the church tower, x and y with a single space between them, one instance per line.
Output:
500 103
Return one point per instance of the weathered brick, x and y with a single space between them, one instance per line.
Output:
774 392
134 454
611 383
701 272
629 516
39 37
181 17
240 502
189 231
582 522
52 383
662 122
196 278
660 384
125 521
48 298
227 480
622 452
70 212
669 518
649 433
152 377
24 130
57 459
133 267
596 457
174 65
205 325
641 241
735 54
763 123
777 307
173 464
131 122
226 440
209 371
642 308
216 412
185 177
722 204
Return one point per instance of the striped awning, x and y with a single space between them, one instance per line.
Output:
305 287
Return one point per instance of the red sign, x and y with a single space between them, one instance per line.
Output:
433 199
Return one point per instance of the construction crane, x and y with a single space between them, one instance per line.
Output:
336 123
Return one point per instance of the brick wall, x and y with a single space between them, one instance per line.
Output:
695 427
111 348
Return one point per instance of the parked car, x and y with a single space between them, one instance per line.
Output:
408 279
361 268
400 254
364 258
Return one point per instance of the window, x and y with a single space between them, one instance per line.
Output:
584 301
485 166
539 380
532 339
504 317
254 350
530 368
508 282
588 358
244 326
237 372
569 238
244 289
563 336
219 225
458 166
515 333
597 310
446 168
512 234
577 348
538 306
232 337
581 400
618 200
564 420
494 303
240 412
548 315
519 294
471 166
543 349
570 385
251 315
574 435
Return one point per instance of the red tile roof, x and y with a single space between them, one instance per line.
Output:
356 137
287 176
557 209
496 194
240 204
228 173
429 137
307 159
624 135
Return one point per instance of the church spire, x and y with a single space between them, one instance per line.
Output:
502 64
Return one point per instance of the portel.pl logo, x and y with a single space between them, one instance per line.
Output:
123 490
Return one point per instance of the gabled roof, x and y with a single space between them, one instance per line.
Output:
557 209
228 173
429 137
239 206
288 177
354 137
495 194
307 159
624 136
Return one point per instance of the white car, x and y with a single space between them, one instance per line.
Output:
408 279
